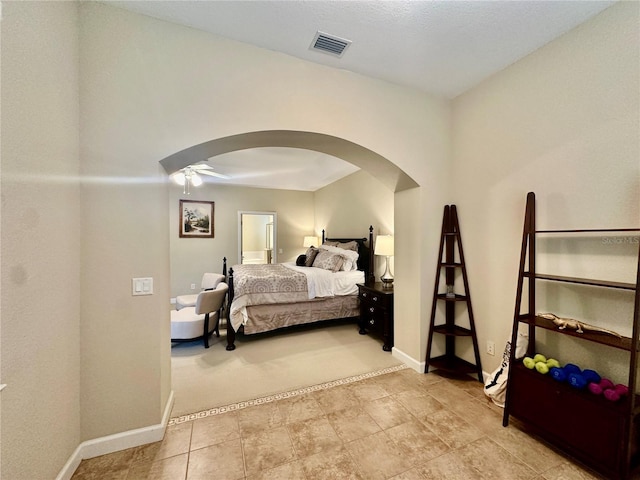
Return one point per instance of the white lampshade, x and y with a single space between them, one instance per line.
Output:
384 245
179 178
196 181
310 241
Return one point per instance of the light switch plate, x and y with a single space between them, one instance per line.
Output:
142 286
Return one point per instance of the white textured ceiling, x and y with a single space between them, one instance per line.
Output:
443 47
280 167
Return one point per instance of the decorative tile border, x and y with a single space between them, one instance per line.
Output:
279 396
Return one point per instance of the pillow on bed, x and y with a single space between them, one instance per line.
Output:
310 256
301 260
352 245
350 258
328 260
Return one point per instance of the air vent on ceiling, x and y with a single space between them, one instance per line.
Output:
330 44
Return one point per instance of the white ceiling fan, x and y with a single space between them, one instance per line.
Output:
190 175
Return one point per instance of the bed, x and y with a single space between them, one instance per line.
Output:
264 298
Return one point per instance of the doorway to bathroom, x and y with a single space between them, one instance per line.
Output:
257 237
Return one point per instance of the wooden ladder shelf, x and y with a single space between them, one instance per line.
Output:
450 241
596 431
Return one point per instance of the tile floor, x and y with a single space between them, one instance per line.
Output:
401 426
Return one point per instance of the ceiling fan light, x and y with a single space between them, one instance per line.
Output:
196 181
179 178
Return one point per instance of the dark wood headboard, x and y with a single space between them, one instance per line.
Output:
365 252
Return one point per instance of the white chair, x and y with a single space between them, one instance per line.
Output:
201 320
209 282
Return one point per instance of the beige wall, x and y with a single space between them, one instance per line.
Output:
41 239
563 123
126 376
191 257
348 207
141 102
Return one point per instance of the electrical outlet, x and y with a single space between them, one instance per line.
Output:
193 286
491 347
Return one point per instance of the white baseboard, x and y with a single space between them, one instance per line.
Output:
407 360
117 442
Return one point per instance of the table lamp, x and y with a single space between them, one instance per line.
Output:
384 247
310 241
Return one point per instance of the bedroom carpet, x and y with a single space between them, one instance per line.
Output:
270 363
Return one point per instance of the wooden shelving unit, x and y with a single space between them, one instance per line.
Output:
450 240
597 432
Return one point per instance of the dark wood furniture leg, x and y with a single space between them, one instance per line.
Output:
205 334
231 334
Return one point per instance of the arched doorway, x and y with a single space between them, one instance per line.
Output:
377 165
407 195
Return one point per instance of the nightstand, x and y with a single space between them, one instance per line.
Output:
376 312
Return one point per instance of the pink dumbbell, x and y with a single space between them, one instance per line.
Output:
598 388
616 393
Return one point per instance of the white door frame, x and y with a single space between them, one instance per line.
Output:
275 232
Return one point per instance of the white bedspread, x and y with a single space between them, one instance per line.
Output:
320 284
323 283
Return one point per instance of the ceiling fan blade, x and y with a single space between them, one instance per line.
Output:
211 173
201 166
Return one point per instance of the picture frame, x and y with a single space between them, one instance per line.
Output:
196 219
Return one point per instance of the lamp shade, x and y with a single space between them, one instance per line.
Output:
310 241
384 245
196 181
179 178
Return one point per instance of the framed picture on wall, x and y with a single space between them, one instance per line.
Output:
196 219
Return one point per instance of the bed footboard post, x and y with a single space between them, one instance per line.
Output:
231 334
371 275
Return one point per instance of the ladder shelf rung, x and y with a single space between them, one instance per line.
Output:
456 298
623 343
582 281
452 364
452 330
590 230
